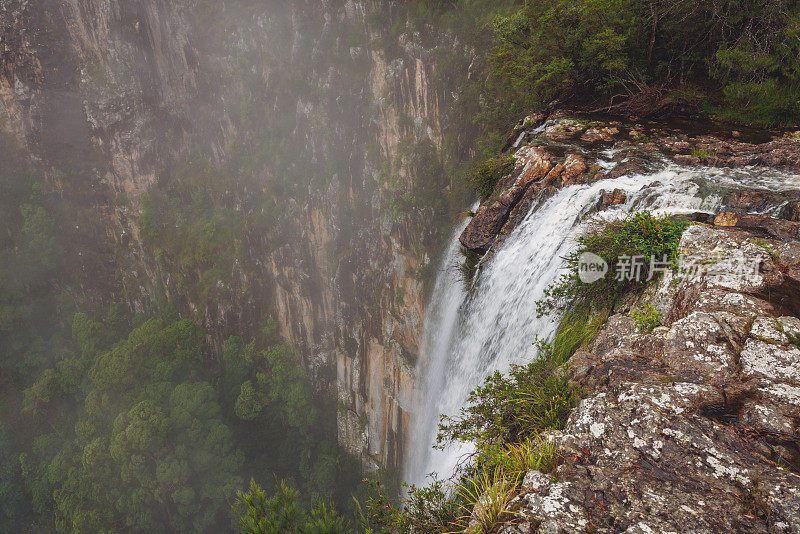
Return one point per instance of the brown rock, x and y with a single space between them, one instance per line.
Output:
574 170
599 135
484 226
792 211
686 159
778 228
565 130
613 198
726 219
533 163
746 200
627 167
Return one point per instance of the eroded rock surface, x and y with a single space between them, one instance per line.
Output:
559 150
692 427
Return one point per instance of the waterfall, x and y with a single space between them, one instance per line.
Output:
469 335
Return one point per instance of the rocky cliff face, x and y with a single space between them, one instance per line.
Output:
694 425
115 93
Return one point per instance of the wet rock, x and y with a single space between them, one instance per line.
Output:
533 164
594 136
687 160
791 212
565 130
613 198
574 172
763 224
749 200
628 167
481 232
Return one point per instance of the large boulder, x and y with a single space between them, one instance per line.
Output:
533 164
692 427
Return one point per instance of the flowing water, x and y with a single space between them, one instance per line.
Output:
469 335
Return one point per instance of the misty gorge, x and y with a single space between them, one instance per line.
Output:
276 266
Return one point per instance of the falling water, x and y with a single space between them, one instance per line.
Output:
469 335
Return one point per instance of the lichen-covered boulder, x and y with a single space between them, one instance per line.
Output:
692 427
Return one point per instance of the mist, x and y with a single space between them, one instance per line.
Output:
214 256
257 257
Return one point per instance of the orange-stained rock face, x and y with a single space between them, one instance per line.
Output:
149 83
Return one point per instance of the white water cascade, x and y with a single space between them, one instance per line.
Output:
469 335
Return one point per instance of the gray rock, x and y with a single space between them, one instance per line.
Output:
691 427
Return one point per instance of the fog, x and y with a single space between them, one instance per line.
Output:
219 222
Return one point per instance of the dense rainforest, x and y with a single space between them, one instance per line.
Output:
114 420
119 418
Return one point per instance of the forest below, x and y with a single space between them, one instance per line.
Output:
116 419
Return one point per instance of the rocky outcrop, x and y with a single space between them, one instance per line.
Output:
559 150
695 426
610 198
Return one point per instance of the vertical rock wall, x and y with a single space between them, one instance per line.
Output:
118 91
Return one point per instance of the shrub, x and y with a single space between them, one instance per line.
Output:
425 510
642 235
490 172
511 408
488 496
646 318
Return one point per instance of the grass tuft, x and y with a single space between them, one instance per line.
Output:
646 318
534 454
514 407
488 495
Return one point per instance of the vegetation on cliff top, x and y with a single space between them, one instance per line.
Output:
736 60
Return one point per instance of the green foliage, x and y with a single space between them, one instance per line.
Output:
430 509
142 437
149 449
512 408
640 235
488 497
578 326
646 318
516 459
743 55
489 172
283 513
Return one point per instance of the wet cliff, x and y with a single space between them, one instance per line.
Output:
332 114
686 417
